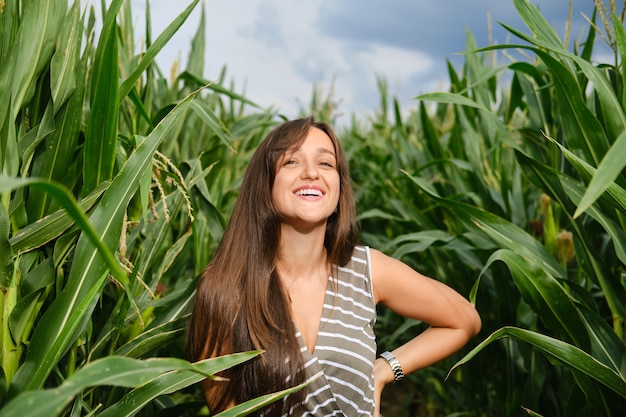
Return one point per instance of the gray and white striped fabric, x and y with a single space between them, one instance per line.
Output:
346 347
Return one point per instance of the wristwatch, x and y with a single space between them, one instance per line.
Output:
395 365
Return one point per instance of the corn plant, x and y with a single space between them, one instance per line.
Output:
114 193
533 177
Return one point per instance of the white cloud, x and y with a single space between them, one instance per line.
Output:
396 63
263 46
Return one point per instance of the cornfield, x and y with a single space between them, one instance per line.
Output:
116 184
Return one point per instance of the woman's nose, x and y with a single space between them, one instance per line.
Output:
310 171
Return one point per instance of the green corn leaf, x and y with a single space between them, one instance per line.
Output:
477 75
589 42
173 381
575 192
172 253
451 98
61 145
416 242
148 25
118 322
615 194
473 144
34 44
545 295
29 142
613 115
157 236
68 202
606 345
7 33
64 61
213 122
40 276
148 57
127 34
531 412
538 24
559 350
76 319
109 27
458 99
258 403
609 169
24 313
581 128
579 120
154 338
504 233
620 40
157 231
101 134
33 290
120 372
612 112
198 82
532 93
6 254
176 304
197 59
9 156
145 183
52 226
432 139
377 214
133 95
209 225
550 179
62 322
167 309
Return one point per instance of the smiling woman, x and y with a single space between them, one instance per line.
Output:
288 278
306 187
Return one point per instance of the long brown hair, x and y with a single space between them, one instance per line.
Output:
240 304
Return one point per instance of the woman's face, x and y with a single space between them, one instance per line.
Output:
306 187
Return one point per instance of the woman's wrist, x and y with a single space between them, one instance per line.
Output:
394 364
383 372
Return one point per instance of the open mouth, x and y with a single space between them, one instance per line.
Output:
309 192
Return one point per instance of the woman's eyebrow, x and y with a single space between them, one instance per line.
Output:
320 150
326 151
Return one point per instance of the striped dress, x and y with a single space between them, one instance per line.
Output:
346 347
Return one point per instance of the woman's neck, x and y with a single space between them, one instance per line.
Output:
301 254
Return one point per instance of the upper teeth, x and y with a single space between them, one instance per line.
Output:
308 191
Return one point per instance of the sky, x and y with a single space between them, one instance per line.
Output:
276 51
